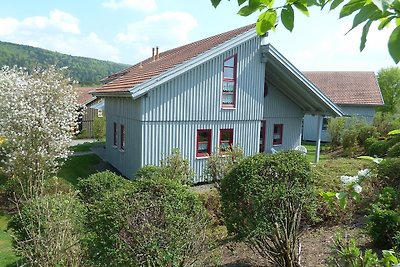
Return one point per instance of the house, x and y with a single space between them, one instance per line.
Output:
91 107
357 93
231 88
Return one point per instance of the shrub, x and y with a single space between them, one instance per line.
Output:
389 172
262 202
394 151
148 172
97 185
211 200
156 222
219 165
383 221
349 139
99 128
365 132
48 230
335 128
378 148
369 141
176 167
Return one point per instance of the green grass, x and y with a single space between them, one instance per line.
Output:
84 147
311 151
78 167
7 256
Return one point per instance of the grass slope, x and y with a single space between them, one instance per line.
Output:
79 167
7 256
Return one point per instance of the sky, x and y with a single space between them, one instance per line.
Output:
126 30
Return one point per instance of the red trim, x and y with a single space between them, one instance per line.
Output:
229 80
278 131
122 145
222 143
207 133
262 136
115 134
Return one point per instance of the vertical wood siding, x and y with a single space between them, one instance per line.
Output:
87 121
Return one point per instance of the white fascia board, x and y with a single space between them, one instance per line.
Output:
279 57
144 87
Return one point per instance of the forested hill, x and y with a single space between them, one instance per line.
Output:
87 71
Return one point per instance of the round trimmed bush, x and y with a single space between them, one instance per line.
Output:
366 131
394 151
389 172
155 222
378 148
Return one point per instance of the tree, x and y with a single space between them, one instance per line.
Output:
37 118
389 82
382 11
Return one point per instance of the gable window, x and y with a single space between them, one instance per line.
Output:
115 134
278 134
225 139
203 143
229 83
122 145
262 137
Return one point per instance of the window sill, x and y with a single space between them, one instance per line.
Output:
114 146
228 107
276 144
122 150
202 157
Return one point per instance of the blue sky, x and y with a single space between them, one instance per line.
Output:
126 30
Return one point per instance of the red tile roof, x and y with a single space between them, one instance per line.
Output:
149 68
348 87
84 96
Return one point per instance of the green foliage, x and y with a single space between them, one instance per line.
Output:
211 200
262 200
176 167
347 254
394 151
389 82
7 255
349 140
383 221
85 70
99 128
149 171
47 231
389 172
220 164
365 132
78 167
98 185
368 142
335 129
378 149
154 222
368 12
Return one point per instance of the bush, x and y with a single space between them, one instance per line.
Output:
365 132
262 201
99 128
97 185
378 148
148 172
368 142
383 222
394 151
211 200
389 172
335 128
349 140
156 222
176 167
47 231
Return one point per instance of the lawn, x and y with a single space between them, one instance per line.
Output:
7 256
79 167
84 147
311 150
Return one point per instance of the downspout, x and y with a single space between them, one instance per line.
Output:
318 143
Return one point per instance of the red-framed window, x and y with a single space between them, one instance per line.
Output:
122 144
278 134
262 137
225 139
229 82
115 134
203 143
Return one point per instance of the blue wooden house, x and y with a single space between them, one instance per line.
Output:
232 88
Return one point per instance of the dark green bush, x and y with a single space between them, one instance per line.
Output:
389 172
97 185
365 132
261 193
148 172
383 221
349 140
155 222
394 151
378 148
369 141
48 230
335 129
211 200
99 128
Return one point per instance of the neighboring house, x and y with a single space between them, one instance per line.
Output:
91 108
357 93
227 89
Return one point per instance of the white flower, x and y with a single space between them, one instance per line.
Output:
348 179
357 188
377 160
363 173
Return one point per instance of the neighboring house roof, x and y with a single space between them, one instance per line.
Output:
84 95
348 87
127 79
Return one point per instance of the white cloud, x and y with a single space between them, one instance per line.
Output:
59 31
166 30
141 5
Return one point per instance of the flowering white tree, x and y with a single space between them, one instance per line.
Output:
37 118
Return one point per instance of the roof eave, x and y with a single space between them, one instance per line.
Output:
112 94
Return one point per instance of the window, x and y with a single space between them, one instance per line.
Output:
99 113
278 131
229 83
225 139
265 88
262 137
115 134
122 145
325 123
203 143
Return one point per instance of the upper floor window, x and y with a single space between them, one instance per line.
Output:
225 139
262 137
203 143
122 145
115 134
229 82
278 134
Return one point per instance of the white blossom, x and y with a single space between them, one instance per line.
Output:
357 188
348 179
364 173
